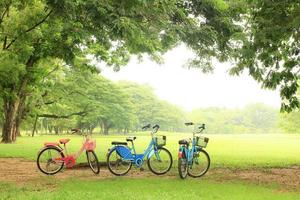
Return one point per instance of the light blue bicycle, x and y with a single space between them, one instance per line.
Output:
192 159
121 157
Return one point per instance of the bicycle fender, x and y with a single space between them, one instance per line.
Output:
151 153
110 150
52 146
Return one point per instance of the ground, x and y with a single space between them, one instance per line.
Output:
231 177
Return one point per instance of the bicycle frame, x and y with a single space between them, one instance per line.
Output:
189 152
70 159
130 154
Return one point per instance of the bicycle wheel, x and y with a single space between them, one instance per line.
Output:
49 160
116 164
183 166
93 161
200 164
161 162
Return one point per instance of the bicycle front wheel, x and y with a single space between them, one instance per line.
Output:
93 161
50 160
160 162
116 164
200 164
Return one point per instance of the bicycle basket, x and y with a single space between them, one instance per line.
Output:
160 140
202 141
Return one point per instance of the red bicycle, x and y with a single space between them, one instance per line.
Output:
52 157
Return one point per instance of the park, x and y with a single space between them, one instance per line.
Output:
158 89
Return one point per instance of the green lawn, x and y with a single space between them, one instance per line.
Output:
270 150
141 188
242 151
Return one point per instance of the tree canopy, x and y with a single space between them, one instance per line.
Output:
35 32
269 47
37 36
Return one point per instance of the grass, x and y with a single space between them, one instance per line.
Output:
242 151
150 188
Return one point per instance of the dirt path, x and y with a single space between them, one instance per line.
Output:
21 171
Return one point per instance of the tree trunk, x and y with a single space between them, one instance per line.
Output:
34 126
105 128
13 107
56 130
50 129
10 109
101 128
20 116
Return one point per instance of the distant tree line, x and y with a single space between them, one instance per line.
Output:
77 98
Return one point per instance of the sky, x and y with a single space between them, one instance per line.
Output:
190 88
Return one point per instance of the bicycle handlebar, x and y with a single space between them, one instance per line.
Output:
202 126
189 123
155 127
147 126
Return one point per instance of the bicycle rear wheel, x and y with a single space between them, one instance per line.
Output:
93 161
160 162
200 164
183 166
50 160
116 164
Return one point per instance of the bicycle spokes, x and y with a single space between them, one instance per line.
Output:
50 161
199 164
117 164
160 162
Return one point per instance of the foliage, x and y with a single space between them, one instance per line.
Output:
269 50
254 118
289 122
150 109
78 31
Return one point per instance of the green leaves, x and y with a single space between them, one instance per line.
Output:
269 51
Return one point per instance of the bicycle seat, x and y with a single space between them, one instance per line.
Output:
64 141
130 139
184 141
118 143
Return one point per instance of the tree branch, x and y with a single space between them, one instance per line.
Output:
6 12
49 73
3 14
31 28
40 22
81 113
4 43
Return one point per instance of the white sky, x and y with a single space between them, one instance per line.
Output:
190 88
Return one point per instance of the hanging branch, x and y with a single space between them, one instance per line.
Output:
31 28
81 113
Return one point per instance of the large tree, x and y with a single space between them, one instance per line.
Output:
109 31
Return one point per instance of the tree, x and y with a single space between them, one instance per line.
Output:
81 98
150 109
254 118
289 122
270 47
106 31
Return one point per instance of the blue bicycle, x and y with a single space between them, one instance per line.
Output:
121 157
192 159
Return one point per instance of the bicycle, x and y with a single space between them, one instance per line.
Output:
120 158
193 161
52 157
